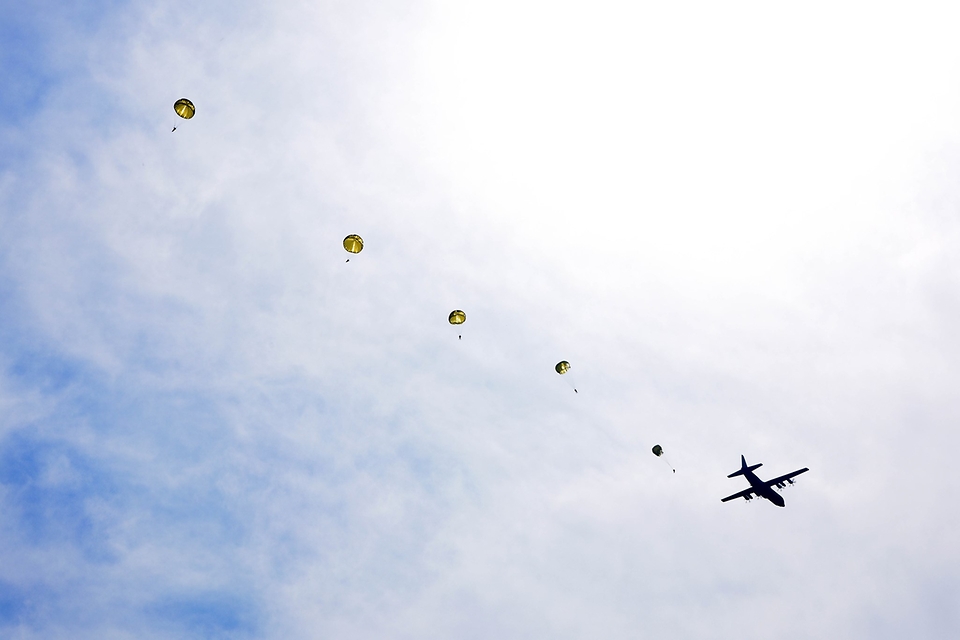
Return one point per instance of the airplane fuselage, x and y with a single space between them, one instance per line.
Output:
762 489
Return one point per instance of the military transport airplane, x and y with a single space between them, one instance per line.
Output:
762 488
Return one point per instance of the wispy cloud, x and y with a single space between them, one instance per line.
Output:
736 223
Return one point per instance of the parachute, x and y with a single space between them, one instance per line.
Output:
658 451
457 317
353 244
562 367
184 109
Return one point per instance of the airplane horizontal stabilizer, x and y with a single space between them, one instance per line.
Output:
744 468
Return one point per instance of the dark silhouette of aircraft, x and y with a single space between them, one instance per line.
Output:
762 488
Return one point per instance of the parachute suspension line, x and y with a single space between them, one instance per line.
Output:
658 451
183 108
456 318
562 367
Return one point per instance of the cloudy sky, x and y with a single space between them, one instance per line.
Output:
737 221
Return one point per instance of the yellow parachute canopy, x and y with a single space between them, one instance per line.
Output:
184 108
457 317
353 243
562 367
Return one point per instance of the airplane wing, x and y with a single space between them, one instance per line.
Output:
745 494
785 478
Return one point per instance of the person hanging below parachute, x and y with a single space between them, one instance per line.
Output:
184 109
658 451
353 244
562 367
457 317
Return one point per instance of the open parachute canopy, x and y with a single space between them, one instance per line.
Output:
353 243
457 317
184 108
658 451
562 367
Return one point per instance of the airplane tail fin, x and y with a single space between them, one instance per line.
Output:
744 468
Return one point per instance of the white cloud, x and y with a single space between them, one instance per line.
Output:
734 221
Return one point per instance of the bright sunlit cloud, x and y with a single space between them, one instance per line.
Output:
731 144
737 223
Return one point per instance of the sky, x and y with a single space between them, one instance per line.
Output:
738 223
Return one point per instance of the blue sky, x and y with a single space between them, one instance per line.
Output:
738 224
